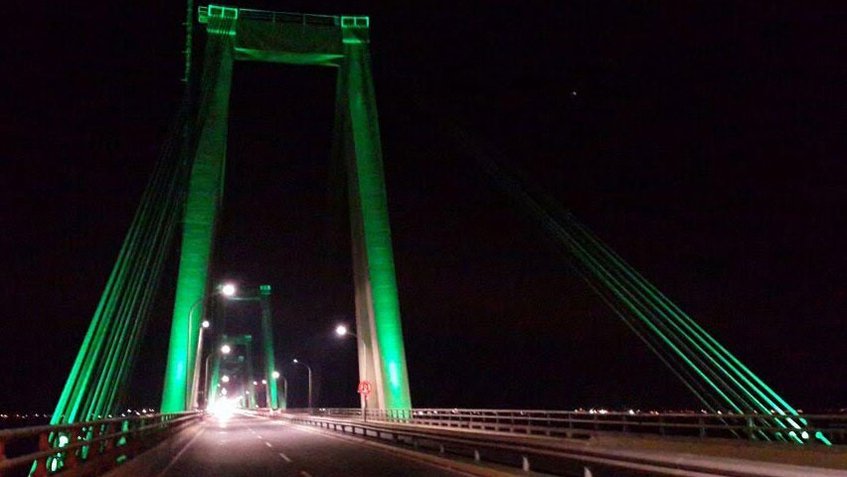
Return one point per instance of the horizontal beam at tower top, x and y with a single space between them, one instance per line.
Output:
284 37
233 13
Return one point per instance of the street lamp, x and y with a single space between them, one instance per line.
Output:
268 402
225 349
296 361
341 330
227 290
276 375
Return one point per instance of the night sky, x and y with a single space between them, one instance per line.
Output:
704 142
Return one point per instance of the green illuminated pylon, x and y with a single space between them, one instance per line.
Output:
201 209
381 350
339 42
268 348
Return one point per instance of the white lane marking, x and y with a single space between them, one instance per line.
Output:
305 474
258 436
284 457
268 444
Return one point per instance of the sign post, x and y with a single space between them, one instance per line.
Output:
363 390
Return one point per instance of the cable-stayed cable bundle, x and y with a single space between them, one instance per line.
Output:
100 372
101 368
719 380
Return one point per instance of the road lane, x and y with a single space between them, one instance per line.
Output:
250 446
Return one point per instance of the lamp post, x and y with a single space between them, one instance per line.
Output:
341 330
263 297
225 349
276 375
258 385
227 290
195 383
296 361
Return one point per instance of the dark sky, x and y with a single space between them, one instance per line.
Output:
705 144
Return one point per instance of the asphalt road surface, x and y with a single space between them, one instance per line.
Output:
252 446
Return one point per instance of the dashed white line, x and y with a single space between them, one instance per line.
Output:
284 457
268 444
305 474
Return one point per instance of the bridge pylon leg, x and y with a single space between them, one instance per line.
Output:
201 208
382 359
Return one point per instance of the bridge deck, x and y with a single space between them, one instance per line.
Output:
250 446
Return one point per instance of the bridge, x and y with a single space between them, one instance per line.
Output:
220 416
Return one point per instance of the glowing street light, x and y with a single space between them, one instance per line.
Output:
228 289
275 374
224 378
343 330
225 349
296 361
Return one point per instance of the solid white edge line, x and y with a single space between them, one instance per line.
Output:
179 454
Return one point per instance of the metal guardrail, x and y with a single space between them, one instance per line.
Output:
84 448
576 424
558 456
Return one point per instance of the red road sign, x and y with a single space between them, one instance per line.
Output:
364 388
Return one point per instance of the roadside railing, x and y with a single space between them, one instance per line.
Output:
583 424
567 456
84 448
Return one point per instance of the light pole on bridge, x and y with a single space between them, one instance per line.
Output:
225 349
276 375
227 290
309 368
342 330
